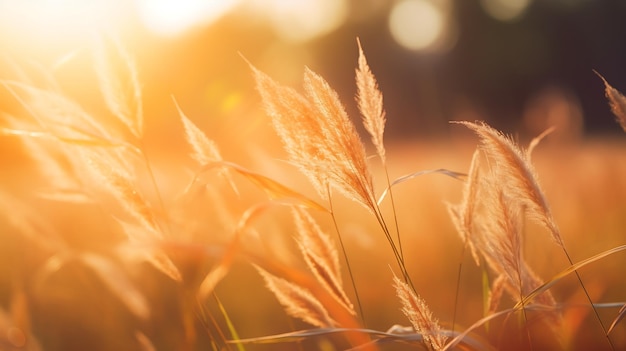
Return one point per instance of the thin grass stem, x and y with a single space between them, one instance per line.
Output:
155 187
204 316
345 255
394 248
395 214
595 311
458 286
229 323
521 296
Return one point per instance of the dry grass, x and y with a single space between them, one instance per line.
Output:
98 255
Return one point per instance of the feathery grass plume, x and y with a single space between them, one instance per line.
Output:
299 130
517 174
520 182
59 115
122 98
370 101
50 155
500 240
318 136
113 175
617 102
298 302
495 294
146 251
501 245
463 213
320 256
205 150
349 172
420 316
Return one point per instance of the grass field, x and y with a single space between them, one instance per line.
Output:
113 240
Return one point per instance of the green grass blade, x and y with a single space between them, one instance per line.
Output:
229 324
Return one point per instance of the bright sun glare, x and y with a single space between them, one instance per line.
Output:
48 22
172 17
57 21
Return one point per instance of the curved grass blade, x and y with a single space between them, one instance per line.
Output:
453 174
297 301
88 141
220 270
53 110
466 342
620 316
122 98
617 101
571 269
229 322
536 140
274 189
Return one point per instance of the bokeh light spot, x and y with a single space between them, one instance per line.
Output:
416 24
505 10
302 20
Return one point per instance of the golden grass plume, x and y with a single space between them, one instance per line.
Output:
298 302
319 137
122 98
370 102
463 214
321 256
204 149
516 173
617 101
420 316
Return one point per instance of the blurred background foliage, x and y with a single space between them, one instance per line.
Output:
519 64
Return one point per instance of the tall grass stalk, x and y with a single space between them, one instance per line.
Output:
93 159
345 256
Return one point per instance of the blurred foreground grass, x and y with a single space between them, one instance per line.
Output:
71 308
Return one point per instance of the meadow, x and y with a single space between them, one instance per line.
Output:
318 236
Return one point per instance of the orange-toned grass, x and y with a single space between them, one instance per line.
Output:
161 300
